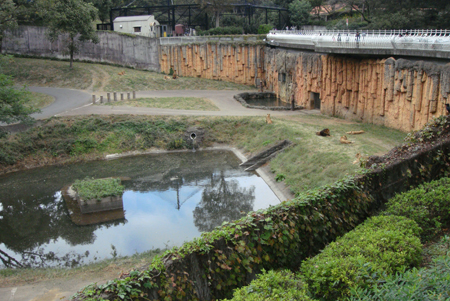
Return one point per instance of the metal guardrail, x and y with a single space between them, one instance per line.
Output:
422 40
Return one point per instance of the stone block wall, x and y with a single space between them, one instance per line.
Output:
241 64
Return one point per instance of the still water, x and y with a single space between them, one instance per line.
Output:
267 102
169 199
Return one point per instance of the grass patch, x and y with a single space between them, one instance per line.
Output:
39 72
40 100
312 162
110 268
176 103
89 189
97 77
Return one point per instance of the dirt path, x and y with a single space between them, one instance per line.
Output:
100 78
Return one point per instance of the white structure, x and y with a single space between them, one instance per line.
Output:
145 26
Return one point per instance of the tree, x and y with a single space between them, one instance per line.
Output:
216 7
13 101
72 19
9 13
300 12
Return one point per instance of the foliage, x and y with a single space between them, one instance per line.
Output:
13 102
264 28
90 189
229 30
73 20
428 205
381 246
300 12
425 284
432 129
273 285
278 237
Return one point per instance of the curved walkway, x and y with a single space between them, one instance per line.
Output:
65 100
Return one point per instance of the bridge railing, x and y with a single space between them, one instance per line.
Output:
438 40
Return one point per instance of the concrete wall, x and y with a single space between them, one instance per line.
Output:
113 48
236 63
400 94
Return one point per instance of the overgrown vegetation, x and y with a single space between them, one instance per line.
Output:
96 189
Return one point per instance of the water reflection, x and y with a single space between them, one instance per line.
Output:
267 102
222 201
169 199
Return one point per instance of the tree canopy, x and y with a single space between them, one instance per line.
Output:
73 21
300 12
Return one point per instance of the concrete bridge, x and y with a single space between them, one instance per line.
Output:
417 43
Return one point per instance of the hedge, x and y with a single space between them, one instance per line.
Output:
274 285
425 284
428 205
380 246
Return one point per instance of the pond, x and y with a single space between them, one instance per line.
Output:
169 199
267 102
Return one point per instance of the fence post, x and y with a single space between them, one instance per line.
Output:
93 99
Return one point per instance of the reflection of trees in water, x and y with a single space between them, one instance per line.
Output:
28 224
222 201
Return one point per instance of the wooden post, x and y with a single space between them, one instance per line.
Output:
93 99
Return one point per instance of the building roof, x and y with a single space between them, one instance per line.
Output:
133 18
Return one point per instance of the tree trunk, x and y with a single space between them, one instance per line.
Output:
217 15
71 52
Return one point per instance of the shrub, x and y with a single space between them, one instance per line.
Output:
89 189
417 284
273 285
428 205
264 28
382 245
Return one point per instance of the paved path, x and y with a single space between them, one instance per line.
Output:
223 99
65 99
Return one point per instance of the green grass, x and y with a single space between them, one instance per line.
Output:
176 103
96 77
89 189
313 160
39 72
40 100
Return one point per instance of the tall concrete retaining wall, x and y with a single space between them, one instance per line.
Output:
400 94
132 51
236 63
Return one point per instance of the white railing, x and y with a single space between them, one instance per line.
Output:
419 39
